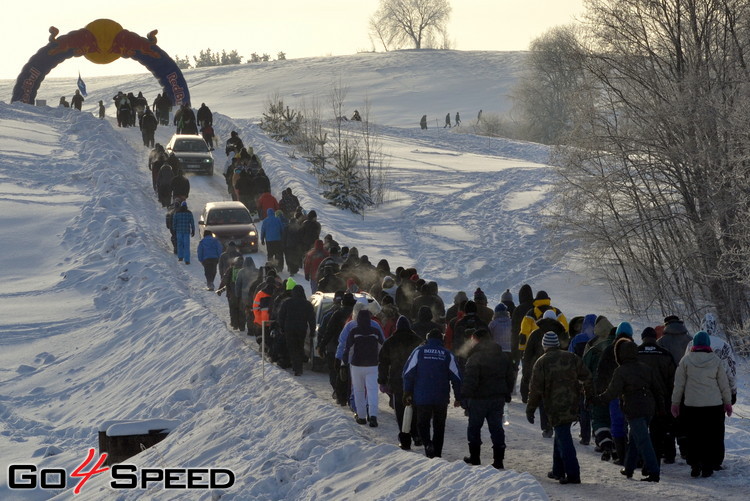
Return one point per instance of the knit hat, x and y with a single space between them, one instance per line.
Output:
648 333
435 334
480 296
541 295
501 308
507 296
550 339
183 204
403 324
471 307
624 329
290 283
551 314
460 297
671 318
702 339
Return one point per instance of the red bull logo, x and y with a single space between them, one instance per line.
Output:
79 41
127 43
177 90
29 84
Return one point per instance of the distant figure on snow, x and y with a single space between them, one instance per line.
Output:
63 103
356 116
101 109
423 122
458 119
479 116
77 100
447 121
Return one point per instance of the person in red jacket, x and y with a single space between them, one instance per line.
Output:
313 258
267 201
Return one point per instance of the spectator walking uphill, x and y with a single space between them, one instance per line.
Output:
361 354
703 384
184 228
271 235
447 120
429 373
328 343
296 319
534 350
641 394
486 388
391 362
148 124
423 122
77 100
662 424
556 381
246 278
209 252
228 282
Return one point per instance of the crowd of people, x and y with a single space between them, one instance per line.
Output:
389 331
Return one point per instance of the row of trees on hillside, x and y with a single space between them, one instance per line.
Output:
209 58
649 101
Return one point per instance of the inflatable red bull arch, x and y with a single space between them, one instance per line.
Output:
101 42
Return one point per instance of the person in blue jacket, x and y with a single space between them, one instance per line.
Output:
209 252
428 375
183 223
271 235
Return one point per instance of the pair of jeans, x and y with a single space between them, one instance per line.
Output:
639 442
436 416
564 458
490 409
183 246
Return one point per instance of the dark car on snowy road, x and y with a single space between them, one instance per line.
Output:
230 221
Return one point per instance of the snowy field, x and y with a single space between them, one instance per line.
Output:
98 320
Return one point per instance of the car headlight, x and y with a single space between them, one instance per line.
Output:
251 233
207 161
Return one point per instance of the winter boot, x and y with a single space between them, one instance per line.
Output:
404 440
473 457
621 445
606 448
652 477
498 456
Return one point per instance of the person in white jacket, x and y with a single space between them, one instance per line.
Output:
701 380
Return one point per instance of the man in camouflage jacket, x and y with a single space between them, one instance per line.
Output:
556 382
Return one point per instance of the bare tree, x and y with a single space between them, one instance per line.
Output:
375 166
655 177
553 82
398 22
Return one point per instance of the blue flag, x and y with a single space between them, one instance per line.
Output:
81 86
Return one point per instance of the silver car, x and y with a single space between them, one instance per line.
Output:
193 153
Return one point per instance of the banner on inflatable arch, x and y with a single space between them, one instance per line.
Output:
102 41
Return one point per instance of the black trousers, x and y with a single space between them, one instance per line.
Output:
209 268
435 416
704 428
295 343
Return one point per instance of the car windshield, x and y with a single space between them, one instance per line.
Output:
190 145
228 216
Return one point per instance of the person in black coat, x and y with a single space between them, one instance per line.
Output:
180 187
424 323
329 342
662 425
641 394
204 116
234 144
429 298
486 387
391 361
296 318
525 303
148 124
184 119
310 230
464 329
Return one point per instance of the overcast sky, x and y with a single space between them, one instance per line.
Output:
300 28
